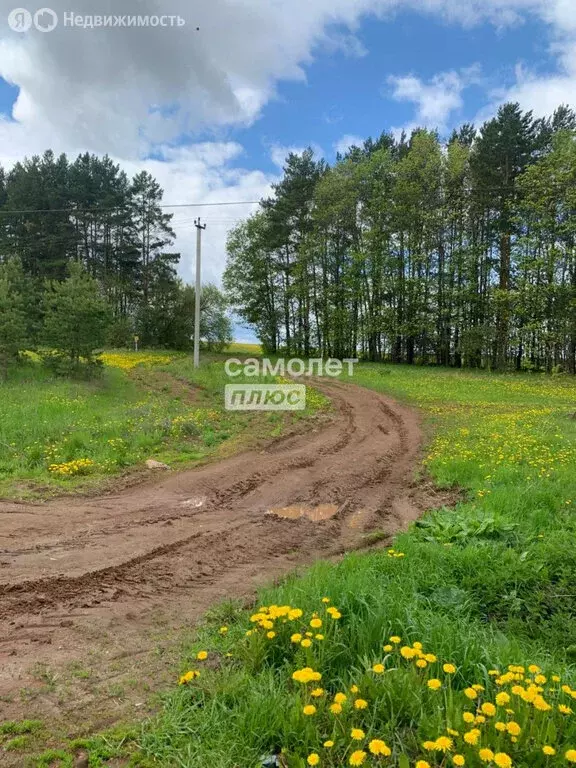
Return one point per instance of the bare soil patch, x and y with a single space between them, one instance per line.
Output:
95 593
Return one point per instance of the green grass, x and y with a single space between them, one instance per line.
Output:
59 435
482 586
485 585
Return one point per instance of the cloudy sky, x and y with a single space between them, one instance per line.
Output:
211 112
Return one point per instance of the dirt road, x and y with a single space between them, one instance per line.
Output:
91 578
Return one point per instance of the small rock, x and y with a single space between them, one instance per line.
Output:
153 464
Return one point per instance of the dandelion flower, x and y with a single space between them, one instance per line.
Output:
360 704
434 684
422 764
485 754
357 757
378 669
450 669
317 692
470 693
571 755
306 643
357 734
502 699
379 747
202 655
503 760
296 638
340 698
388 648
313 759
188 676
488 709
548 750
459 760
513 728
336 709
316 623
328 744
443 744
395 639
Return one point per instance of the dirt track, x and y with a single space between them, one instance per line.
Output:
81 575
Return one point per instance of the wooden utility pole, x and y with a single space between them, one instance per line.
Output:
198 292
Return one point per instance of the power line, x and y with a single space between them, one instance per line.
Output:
121 208
466 191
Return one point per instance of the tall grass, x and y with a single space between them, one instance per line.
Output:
482 586
58 435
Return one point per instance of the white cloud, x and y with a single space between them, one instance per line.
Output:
279 153
127 91
436 100
345 142
202 173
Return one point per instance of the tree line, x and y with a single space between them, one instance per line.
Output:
415 250
85 223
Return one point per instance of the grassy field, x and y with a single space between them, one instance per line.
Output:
455 647
59 435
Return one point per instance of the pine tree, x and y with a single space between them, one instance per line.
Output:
77 316
504 149
13 336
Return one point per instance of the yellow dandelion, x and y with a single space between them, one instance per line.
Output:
379 747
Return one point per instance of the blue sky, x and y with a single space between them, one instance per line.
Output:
212 113
351 95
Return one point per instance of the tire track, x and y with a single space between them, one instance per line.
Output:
86 567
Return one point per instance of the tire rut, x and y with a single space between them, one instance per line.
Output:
174 547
